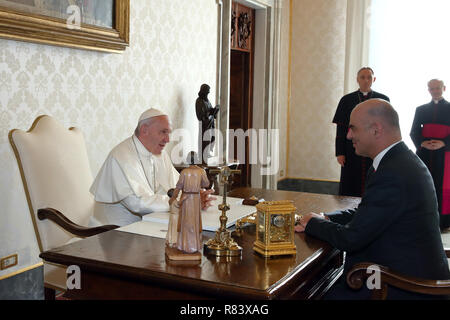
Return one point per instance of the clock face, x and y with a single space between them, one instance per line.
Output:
280 228
278 221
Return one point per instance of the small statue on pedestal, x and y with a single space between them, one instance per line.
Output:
206 114
172 233
189 237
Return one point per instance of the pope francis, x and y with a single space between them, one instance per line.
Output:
137 174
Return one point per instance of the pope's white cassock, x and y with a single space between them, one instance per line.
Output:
132 182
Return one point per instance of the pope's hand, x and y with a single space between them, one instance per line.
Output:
206 199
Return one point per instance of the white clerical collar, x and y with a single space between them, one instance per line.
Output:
365 93
140 147
377 159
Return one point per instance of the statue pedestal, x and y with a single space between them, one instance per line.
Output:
177 255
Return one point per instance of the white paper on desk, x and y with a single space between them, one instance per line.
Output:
210 217
146 228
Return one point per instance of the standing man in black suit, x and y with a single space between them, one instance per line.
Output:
397 222
353 167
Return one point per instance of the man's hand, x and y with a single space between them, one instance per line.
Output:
206 199
303 222
433 144
427 145
437 144
341 160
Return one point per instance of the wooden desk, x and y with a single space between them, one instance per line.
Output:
119 265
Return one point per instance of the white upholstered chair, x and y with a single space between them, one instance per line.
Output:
56 176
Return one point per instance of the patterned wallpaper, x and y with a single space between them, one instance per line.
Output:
318 61
172 52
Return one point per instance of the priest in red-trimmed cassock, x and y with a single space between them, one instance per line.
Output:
430 133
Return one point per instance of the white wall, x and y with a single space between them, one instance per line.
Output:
317 84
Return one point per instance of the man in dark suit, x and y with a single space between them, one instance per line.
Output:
397 222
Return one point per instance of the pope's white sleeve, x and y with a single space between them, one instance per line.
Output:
145 205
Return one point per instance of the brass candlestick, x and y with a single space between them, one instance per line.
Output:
223 244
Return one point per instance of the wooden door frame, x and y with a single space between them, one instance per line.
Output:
266 83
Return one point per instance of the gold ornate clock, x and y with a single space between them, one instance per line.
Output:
275 222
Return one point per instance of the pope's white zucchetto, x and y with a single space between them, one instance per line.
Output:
150 113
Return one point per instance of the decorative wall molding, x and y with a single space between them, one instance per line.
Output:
265 114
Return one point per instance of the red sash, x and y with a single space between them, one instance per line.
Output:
436 131
440 131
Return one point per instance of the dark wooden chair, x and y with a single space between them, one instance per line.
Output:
56 176
357 277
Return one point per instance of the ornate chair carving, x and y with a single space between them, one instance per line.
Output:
56 176
358 275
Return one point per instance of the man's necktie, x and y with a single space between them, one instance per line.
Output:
370 172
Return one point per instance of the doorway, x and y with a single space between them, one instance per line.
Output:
241 85
263 96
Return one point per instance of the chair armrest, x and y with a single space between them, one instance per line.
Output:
358 274
61 220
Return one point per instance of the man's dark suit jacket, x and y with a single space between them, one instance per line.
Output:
395 225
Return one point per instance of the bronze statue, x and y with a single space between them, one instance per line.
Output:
206 114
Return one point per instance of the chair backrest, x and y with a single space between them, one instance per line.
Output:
55 172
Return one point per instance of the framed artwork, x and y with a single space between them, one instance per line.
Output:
101 25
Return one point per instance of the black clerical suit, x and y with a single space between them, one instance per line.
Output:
432 121
354 172
395 225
